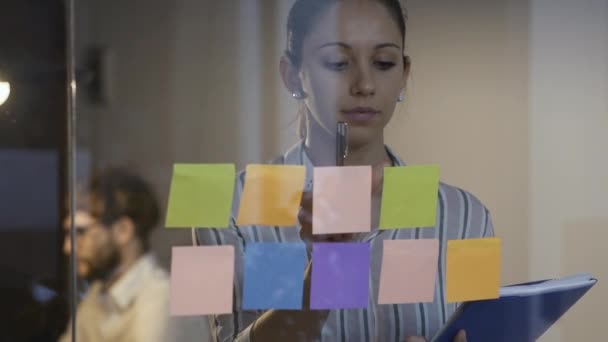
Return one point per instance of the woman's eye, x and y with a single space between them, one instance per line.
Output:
336 65
384 65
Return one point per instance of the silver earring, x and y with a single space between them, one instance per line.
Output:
298 95
401 97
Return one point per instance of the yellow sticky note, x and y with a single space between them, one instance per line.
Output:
200 195
473 269
409 197
271 195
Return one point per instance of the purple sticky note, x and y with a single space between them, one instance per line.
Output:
340 276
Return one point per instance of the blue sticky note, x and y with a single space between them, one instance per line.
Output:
340 276
274 276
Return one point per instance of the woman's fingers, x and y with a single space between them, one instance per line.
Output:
306 201
378 176
415 339
305 218
461 336
305 213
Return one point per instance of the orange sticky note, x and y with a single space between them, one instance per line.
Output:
202 280
409 271
271 195
342 199
473 269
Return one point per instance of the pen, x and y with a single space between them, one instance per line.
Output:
341 143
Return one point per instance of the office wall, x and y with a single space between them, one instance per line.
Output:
568 122
467 108
133 124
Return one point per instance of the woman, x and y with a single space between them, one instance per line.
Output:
344 61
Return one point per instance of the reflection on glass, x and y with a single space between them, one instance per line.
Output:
196 81
345 61
128 296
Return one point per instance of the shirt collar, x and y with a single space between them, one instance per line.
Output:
397 161
126 288
297 155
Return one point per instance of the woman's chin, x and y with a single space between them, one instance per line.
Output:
361 136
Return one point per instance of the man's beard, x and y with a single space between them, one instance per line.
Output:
105 266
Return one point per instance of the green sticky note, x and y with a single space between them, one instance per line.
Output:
201 195
409 197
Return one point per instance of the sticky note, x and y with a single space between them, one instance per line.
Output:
340 276
200 195
409 197
473 269
274 276
271 195
342 199
202 280
408 271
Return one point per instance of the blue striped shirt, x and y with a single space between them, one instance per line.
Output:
459 216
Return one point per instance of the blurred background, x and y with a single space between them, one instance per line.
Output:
509 97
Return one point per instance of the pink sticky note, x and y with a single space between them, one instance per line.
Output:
409 271
342 199
202 280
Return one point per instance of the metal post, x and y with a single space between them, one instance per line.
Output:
71 155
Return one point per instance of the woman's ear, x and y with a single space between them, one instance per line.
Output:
291 77
407 64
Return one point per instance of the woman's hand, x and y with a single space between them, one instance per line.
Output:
460 337
305 218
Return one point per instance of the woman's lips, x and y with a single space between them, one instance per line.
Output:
360 115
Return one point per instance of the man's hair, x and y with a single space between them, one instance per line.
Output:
115 193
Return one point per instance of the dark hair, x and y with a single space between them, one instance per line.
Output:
115 193
302 17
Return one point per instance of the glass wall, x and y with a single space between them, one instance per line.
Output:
507 99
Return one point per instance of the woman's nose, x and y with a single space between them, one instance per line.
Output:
364 84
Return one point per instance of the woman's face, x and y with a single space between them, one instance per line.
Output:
353 69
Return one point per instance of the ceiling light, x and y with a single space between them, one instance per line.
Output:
5 91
